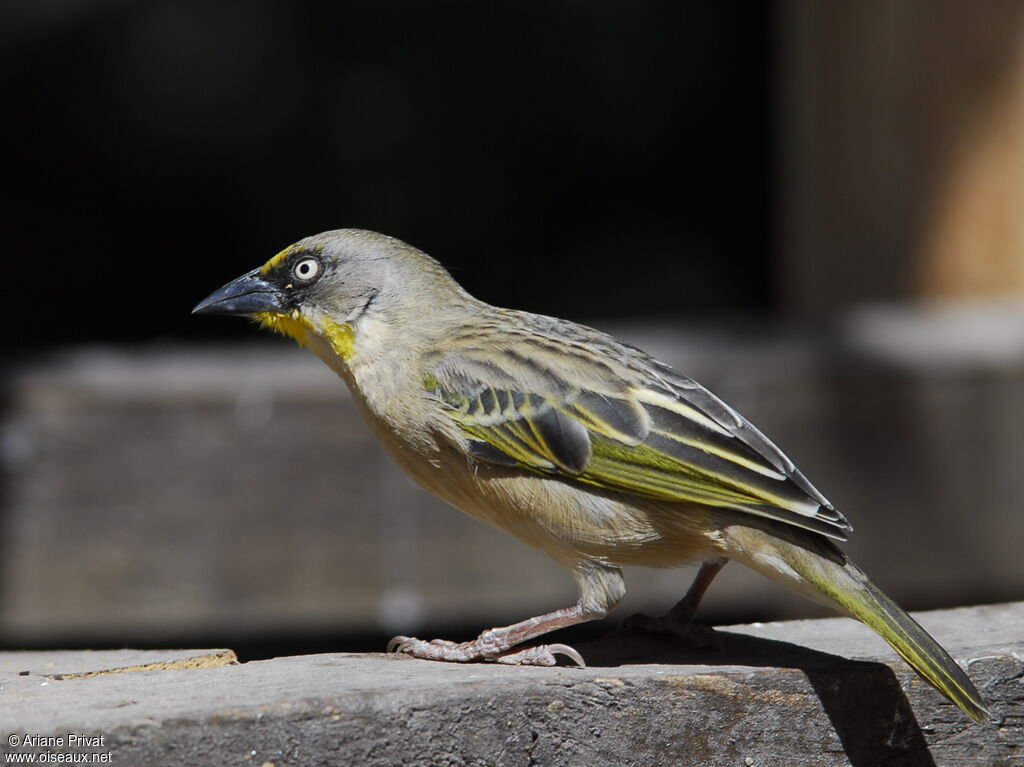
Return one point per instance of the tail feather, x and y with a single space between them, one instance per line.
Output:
812 564
871 606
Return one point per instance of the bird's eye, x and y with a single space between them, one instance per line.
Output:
306 269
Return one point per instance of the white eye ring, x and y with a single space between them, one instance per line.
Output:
306 269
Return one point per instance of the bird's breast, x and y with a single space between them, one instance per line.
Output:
568 521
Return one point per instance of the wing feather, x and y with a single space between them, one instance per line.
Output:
660 436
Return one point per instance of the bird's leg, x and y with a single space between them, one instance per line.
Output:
679 620
601 588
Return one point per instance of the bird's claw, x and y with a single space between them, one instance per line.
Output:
569 653
445 650
395 643
436 649
541 655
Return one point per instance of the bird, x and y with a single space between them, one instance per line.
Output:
578 444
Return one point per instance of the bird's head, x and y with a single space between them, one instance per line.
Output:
329 283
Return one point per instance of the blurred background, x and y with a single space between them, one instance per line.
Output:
815 209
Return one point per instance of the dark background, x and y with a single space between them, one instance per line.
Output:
585 160
840 175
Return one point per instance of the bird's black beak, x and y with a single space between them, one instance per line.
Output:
249 294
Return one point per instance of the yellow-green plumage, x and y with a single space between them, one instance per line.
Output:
865 601
626 441
580 445
871 606
824 574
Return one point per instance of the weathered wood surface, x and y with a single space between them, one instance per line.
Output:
791 694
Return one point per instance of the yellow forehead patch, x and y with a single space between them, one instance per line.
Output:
276 260
280 257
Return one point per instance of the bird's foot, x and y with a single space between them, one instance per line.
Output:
483 649
541 655
694 634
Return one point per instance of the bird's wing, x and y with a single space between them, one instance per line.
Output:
660 436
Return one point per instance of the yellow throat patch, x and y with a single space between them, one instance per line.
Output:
340 335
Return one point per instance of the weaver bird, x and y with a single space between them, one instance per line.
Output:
578 444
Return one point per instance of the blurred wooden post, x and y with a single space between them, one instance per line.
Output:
903 151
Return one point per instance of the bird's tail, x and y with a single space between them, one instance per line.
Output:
813 566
